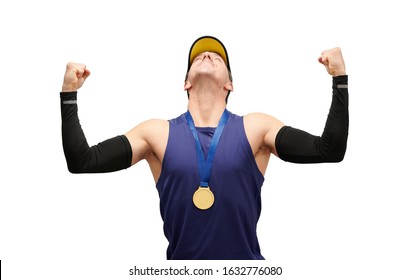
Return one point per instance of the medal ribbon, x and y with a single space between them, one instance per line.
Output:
205 166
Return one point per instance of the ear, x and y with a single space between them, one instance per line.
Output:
188 85
228 86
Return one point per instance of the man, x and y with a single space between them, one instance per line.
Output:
208 164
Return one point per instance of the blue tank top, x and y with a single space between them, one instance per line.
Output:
228 229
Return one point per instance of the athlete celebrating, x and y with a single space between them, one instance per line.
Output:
208 164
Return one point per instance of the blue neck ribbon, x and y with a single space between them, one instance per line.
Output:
205 166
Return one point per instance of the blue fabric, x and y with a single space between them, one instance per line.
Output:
205 136
205 163
228 229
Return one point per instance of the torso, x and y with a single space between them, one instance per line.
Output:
227 230
254 129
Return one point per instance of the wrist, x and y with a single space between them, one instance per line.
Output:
68 88
340 79
339 72
68 95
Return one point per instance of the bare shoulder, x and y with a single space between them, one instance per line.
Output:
261 122
149 130
261 130
149 139
155 124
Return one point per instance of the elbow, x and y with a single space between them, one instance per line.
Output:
336 156
75 168
335 151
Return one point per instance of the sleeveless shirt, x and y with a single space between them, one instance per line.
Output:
228 229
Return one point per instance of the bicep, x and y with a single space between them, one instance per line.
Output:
148 139
139 141
272 127
262 130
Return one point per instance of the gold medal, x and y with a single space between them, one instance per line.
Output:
203 198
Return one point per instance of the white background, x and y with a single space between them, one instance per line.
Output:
325 221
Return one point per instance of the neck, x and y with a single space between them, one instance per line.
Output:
206 111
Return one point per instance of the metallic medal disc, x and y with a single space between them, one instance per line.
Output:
203 198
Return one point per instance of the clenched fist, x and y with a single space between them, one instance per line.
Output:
75 76
333 61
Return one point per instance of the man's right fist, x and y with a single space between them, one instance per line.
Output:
333 61
75 76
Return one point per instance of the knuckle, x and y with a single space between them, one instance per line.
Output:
70 65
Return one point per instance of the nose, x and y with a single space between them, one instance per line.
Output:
207 55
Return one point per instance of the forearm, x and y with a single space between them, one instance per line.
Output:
298 146
111 155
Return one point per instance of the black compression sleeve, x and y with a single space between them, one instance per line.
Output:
111 155
298 146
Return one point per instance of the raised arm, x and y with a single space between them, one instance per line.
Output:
110 155
295 145
298 146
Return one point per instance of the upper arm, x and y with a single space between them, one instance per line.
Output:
148 139
261 130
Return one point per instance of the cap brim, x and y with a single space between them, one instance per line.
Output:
208 44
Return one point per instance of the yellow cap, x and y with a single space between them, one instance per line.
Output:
208 44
